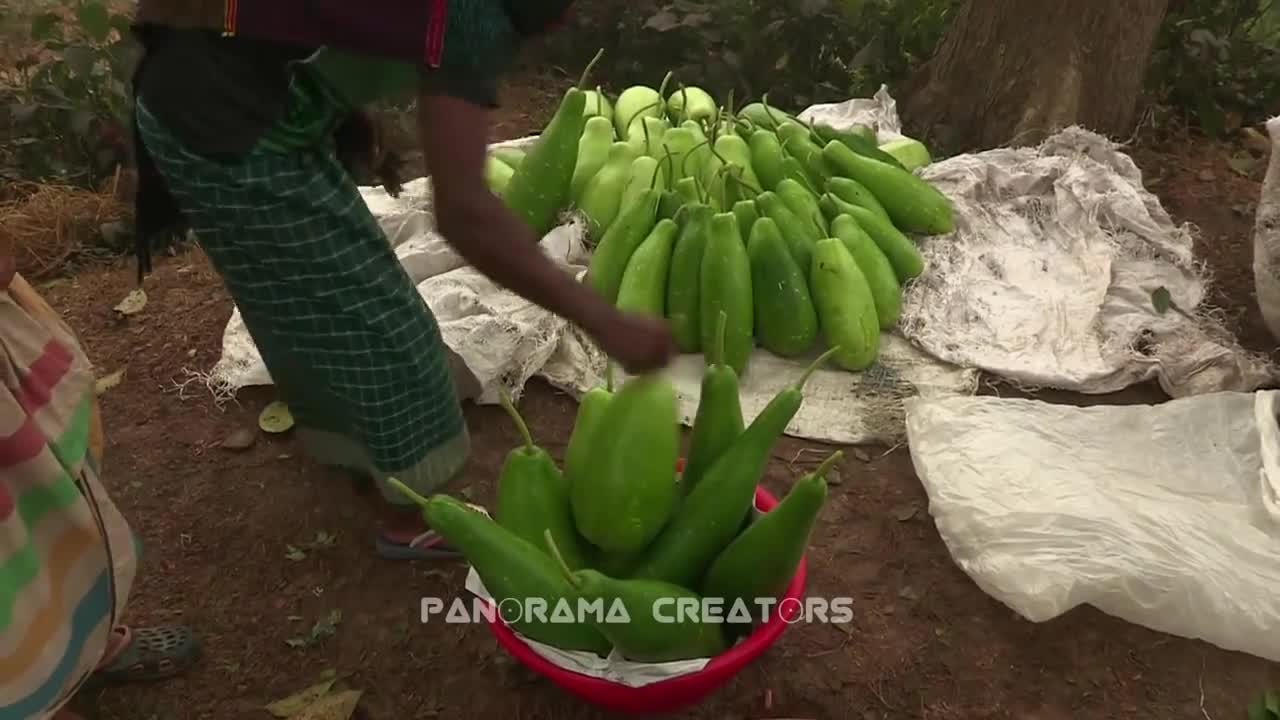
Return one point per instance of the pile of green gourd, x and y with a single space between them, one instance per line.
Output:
793 230
620 527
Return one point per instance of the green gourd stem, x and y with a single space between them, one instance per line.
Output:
768 110
662 88
724 186
521 426
582 82
408 492
804 180
814 367
671 167
653 184
746 184
684 102
729 102
555 555
643 127
722 328
713 125
608 375
683 167
832 459
599 101
813 132
720 157
703 191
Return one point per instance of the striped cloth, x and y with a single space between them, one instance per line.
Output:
349 342
67 556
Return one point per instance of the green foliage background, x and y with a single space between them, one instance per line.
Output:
1216 66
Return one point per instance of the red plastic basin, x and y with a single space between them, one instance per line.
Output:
674 693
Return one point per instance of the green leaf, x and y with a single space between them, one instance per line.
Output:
1272 700
80 60
1161 301
45 26
1258 711
123 24
94 20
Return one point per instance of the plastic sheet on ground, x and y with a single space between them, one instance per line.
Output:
1047 281
1166 516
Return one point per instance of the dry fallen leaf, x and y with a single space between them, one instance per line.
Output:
133 302
296 703
338 706
275 418
106 382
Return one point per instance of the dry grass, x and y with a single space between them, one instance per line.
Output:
42 226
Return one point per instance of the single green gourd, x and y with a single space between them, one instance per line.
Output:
533 495
684 279
539 188
644 283
601 198
511 568
633 463
590 410
726 287
786 322
718 421
875 267
655 625
609 261
593 152
761 561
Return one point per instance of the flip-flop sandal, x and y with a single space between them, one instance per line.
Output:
430 545
151 653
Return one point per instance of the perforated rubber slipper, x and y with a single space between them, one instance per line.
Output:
151 653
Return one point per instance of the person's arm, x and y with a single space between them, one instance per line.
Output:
484 231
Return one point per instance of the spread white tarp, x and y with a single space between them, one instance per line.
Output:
1047 281
1167 516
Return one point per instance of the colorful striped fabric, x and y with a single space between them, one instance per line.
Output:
67 556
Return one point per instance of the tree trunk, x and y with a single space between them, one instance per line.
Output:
1012 72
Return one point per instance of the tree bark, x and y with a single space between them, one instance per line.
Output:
1012 72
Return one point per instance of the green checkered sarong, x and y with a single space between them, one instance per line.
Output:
349 342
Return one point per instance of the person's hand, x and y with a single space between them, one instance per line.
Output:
640 343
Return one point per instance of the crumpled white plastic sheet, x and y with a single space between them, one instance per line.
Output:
1167 516
1046 281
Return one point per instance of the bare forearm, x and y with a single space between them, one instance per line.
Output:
494 241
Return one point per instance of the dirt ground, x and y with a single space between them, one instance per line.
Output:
253 548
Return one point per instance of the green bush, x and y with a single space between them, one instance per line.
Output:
798 51
1216 58
67 114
